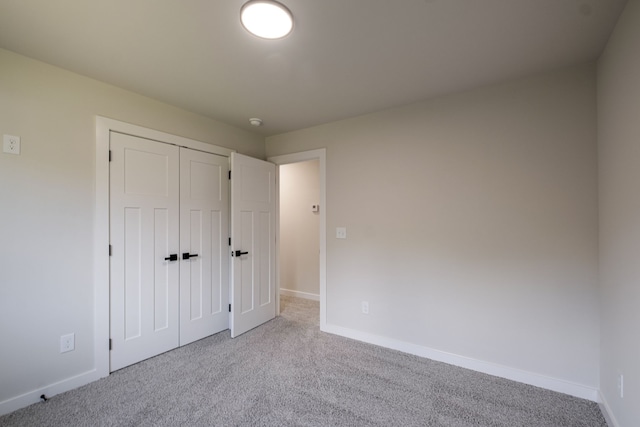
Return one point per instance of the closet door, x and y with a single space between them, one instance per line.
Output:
204 253
144 215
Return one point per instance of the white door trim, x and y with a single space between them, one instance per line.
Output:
101 225
321 156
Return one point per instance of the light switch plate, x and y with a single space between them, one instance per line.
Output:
11 144
341 233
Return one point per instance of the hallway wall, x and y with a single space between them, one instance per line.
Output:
299 226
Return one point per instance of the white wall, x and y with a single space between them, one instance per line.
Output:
472 224
299 240
47 198
471 218
619 174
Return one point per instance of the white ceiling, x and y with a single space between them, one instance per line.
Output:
344 57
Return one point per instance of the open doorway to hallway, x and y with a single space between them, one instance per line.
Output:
303 275
299 230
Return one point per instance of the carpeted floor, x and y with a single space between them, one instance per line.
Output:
288 373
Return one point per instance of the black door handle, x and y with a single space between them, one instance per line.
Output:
239 253
187 255
172 257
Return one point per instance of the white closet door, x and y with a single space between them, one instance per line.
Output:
253 243
144 234
204 253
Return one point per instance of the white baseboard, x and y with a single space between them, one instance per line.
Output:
607 412
542 381
29 398
299 294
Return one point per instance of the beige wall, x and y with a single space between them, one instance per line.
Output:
472 223
619 173
299 227
47 198
472 218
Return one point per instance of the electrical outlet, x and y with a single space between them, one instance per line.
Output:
11 144
67 343
365 307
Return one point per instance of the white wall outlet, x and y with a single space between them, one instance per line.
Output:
11 144
365 307
67 343
341 233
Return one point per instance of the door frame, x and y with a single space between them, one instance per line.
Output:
101 260
303 156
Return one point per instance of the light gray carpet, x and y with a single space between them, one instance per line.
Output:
288 373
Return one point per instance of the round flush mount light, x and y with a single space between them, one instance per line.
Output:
266 19
255 122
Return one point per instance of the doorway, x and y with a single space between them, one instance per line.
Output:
299 224
291 159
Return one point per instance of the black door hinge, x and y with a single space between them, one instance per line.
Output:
229 308
229 241
110 344
229 174
109 155
110 250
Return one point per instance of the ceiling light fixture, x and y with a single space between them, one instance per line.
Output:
255 122
267 19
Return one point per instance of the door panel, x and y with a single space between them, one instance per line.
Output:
252 231
144 231
204 230
132 273
162 289
267 248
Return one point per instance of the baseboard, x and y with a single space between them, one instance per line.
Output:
299 294
607 412
542 381
29 398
